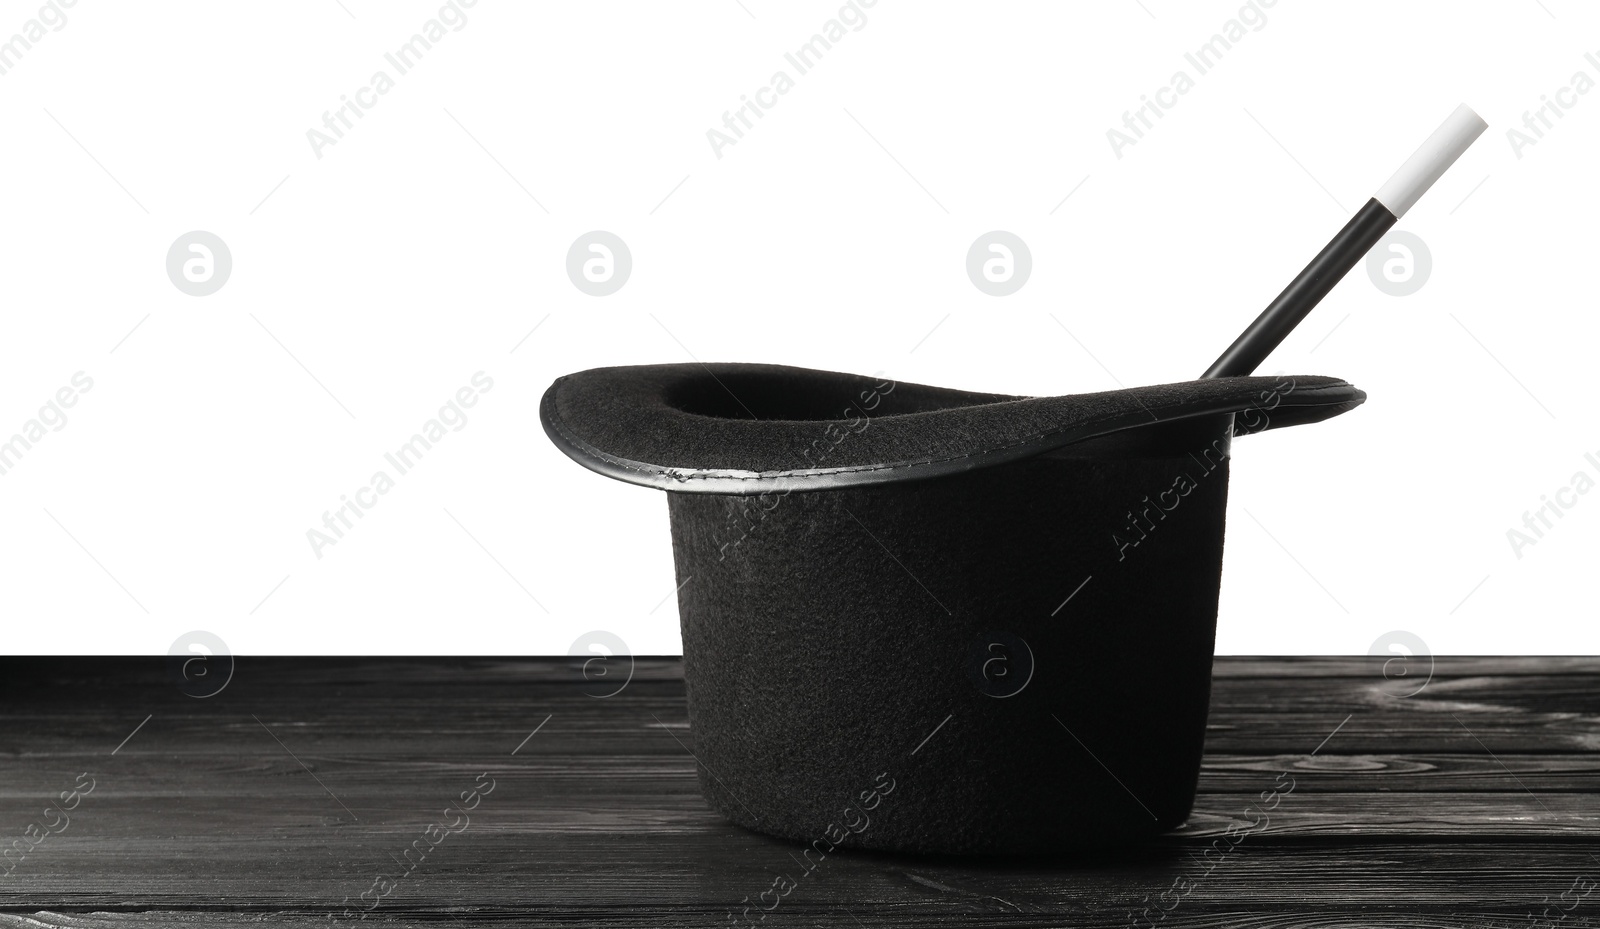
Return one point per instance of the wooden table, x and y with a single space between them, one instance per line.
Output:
304 783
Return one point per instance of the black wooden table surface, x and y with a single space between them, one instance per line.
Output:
298 794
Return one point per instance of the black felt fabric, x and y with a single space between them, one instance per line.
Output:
826 635
731 428
851 551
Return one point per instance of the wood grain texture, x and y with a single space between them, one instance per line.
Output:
1474 802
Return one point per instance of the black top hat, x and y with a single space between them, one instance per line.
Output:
862 563
932 620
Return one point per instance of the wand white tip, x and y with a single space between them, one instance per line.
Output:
1431 160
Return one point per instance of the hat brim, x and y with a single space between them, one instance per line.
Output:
751 428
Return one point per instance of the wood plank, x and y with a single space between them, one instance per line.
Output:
1409 773
648 882
1369 666
1465 804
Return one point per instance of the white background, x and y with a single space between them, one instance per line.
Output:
368 285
